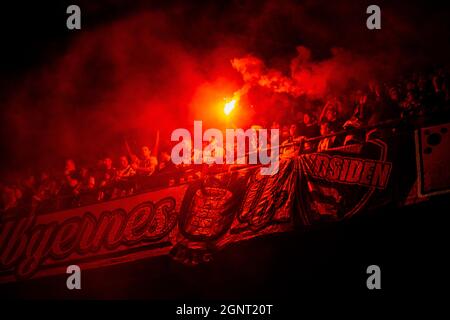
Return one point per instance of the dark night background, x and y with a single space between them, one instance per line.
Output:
134 66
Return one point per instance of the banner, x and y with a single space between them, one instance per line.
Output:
231 207
340 182
106 233
433 158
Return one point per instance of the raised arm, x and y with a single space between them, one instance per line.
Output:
129 151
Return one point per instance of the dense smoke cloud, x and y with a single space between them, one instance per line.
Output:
307 77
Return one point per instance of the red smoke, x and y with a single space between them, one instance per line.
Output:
314 79
126 79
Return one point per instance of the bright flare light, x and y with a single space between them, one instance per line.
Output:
229 106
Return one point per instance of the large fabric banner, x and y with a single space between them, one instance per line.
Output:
103 234
433 158
234 206
340 182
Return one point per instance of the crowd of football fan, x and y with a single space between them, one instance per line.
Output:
419 95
